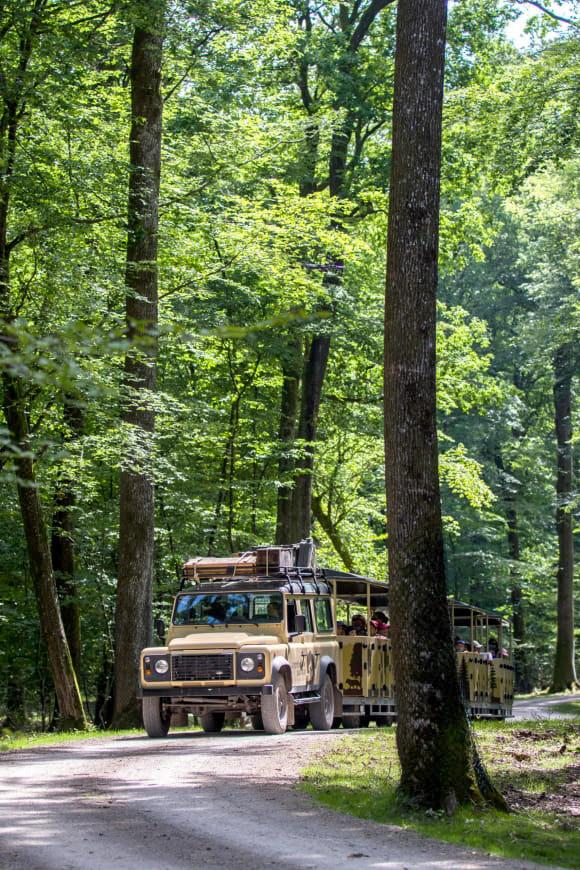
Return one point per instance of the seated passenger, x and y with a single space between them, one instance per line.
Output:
216 613
274 611
358 624
493 646
459 644
379 624
342 628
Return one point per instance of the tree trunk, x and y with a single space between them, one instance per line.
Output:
564 665
523 678
332 532
61 667
290 399
316 359
137 508
433 737
62 544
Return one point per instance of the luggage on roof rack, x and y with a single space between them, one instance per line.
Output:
252 563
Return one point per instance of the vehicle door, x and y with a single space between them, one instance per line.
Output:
296 657
311 651
326 642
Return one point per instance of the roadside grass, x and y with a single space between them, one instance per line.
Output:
535 764
571 708
29 740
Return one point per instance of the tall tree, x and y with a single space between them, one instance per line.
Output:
433 737
21 29
137 506
564 665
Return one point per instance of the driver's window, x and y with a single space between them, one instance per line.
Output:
307 613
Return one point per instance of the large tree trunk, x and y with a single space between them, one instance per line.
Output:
316 359
289 404
433 737
137 508
62 543
564 665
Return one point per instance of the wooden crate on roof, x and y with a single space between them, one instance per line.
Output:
208 567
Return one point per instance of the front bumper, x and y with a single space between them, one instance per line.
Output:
195 692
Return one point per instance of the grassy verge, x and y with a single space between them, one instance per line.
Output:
29 740
536 764
571 708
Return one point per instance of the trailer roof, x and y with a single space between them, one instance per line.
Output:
355 588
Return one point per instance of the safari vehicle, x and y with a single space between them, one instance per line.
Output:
485 664
257 633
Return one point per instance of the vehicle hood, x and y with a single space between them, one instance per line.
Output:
221 640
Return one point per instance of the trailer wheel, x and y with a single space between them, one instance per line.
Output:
212 722
155 719
322 713
275 707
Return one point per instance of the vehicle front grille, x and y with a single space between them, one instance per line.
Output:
202 667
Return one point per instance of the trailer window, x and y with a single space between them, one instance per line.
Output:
323 613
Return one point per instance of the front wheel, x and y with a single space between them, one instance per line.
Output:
322 713
275 707
212 722
155 719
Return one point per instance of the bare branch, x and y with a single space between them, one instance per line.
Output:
548 12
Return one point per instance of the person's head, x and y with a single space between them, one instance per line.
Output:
379 616
274 611
459 644
359 623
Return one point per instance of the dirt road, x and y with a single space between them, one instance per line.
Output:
193 801
543 707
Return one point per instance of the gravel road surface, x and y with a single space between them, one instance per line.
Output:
194 801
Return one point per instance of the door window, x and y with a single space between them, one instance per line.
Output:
307 613
323 612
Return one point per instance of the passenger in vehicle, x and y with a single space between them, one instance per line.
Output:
342 628
493 646
459 644
275 611
379 624
358 624
216 613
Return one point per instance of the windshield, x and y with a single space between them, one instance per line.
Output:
222 608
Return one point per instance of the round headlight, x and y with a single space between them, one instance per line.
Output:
247 664
161 666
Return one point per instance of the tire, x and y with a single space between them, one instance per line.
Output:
275 707
212 722
322 713
155 719
257 723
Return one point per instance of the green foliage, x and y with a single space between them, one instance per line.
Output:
241 264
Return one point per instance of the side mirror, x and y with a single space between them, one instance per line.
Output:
160 629
299 625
